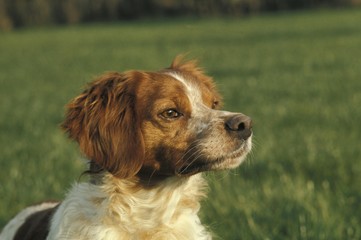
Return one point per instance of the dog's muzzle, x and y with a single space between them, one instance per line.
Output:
239 124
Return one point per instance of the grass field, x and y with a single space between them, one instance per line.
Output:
298 75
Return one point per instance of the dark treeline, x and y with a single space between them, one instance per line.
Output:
19 13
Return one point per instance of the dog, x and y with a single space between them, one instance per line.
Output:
148 137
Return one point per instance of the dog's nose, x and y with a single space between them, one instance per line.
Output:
240 124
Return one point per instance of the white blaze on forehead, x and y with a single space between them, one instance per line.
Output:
193 92
195 96
201 114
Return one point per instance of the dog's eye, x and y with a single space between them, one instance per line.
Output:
215 104
171 114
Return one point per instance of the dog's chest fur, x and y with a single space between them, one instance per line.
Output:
118 210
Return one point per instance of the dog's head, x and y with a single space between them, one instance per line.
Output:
157 123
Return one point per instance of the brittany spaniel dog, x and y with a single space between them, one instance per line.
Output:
148 137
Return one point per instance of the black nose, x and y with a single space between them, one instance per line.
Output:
240 124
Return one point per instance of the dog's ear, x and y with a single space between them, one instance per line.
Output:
103 120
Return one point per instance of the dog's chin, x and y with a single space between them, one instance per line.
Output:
226 161
229 162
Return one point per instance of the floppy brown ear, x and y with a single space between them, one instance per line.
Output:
104 122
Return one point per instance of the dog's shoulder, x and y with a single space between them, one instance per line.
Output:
31 223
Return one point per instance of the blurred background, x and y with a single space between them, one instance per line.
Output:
293 66
19 13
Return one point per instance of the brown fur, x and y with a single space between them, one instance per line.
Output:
117 114
103 121
148 136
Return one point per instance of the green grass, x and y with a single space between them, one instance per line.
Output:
298 75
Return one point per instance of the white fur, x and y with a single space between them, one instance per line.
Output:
204 119
11 228
193 92
199 110
117 209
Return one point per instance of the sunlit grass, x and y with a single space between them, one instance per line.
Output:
298 76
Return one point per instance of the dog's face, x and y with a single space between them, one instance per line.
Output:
157 124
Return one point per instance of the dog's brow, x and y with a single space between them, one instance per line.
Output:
193 92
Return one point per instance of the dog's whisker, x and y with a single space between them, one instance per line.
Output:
191 155
151 175
192 162
193 146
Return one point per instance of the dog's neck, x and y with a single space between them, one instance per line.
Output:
167 210
161 203
146 177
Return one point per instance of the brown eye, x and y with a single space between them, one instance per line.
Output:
171 114
215 104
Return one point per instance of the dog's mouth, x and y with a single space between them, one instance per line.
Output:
226 161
